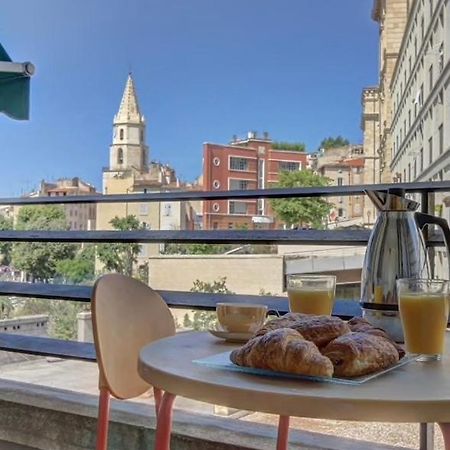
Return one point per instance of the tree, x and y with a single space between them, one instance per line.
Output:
291 146
80 269
302 211
197 249
204 320
39 259
5 247
334 142
117 257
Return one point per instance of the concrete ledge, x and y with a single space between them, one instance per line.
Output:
53 419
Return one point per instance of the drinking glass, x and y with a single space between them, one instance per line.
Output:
424 308
311 294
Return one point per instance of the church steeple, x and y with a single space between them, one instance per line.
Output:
129 106
128 150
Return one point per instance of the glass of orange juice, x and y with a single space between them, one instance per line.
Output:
311 294
424 309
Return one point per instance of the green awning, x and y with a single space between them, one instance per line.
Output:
14 88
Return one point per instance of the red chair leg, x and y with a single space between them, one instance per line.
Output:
445 428
164 423
157 394
103 420
283 433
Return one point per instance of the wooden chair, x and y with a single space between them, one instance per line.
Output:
126 315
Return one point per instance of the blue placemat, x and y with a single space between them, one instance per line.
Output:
222 361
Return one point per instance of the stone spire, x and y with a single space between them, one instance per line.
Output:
129 106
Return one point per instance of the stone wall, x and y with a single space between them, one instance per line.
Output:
245 274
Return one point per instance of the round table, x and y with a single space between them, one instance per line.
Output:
415 392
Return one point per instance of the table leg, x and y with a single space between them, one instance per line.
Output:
164 423
157 394
445 428
283 433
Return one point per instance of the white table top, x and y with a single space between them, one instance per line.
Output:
416 392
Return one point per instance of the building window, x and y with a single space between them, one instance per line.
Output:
167 209
430 149
230 225
215 225
409 172
421 160
216 184
238 164
120 156
240 185
340 181
289 166
341 212
143 209
441 139
238 207
216 161
415 169
121 134
216 207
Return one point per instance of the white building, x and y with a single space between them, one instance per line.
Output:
421 95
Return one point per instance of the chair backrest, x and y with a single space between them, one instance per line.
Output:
126 315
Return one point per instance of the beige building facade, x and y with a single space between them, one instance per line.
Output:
343 166
130 171
79 216
391 16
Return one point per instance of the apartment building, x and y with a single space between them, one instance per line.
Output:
343 166
391 15
421 95
251 163
79 216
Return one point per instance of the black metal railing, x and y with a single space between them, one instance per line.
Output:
190 300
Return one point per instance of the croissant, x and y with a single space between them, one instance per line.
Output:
364 326
356 354
283 350
318 329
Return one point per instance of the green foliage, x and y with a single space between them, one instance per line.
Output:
39 259
204 320
80 269
216 287
334 142
302 211
62 315
290 146
197 249
5 247
120 258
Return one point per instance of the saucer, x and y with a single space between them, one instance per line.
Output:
231 337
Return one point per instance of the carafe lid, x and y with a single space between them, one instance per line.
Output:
392 200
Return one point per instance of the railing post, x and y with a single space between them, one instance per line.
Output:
426 436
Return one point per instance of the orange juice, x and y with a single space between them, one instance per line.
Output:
309 301
424 319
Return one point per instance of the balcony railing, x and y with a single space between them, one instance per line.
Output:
175 299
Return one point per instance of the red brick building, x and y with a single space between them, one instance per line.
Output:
244 164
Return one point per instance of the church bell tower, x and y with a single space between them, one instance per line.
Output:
128 150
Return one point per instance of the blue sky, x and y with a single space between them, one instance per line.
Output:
204 70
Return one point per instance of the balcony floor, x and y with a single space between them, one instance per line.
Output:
8 446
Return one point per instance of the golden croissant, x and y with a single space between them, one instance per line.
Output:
283 350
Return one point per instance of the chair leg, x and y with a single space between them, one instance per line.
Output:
283 433
103 420
445 428
157 394
164 423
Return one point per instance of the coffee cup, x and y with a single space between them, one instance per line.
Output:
240 317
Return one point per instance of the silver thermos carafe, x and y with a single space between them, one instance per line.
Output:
396 249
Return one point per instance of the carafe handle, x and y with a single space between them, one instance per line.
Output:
427 219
